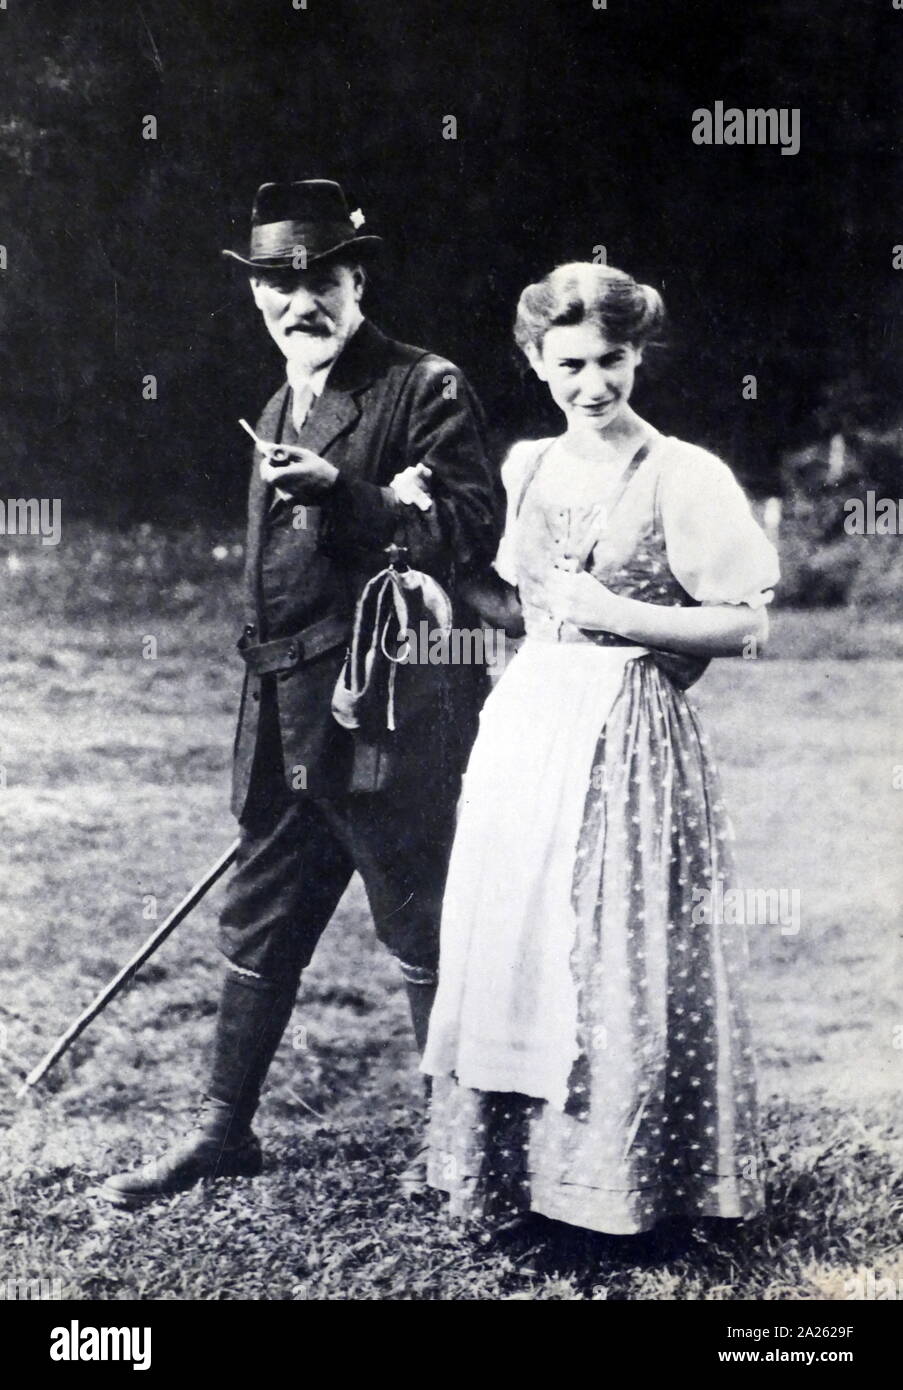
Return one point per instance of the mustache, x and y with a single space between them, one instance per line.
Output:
319 329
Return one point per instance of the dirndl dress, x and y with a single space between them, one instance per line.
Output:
589 1044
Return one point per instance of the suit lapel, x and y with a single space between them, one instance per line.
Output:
338 409
335 412
332 415
268 427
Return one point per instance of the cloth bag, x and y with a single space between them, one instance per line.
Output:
391 608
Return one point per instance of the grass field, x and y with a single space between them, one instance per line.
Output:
116 773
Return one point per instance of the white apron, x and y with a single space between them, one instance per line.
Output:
505 1016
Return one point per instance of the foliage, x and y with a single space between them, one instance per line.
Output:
822 561
113 241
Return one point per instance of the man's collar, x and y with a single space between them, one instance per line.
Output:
338 409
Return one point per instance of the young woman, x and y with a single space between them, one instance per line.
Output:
588 1045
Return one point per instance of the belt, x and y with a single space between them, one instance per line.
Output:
287 653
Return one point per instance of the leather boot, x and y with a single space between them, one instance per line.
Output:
412 1180
420 1002
252 1018
212 1150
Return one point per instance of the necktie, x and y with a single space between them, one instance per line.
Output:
302 400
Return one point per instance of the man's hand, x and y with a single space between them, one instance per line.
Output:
305 476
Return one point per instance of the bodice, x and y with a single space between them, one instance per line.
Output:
572 506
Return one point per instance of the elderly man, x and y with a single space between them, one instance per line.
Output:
315 800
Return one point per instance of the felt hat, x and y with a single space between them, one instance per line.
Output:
296 224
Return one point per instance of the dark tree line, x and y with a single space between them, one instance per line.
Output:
573 131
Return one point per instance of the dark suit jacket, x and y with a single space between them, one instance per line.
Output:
386 406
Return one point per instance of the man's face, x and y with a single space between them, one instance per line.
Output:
310 314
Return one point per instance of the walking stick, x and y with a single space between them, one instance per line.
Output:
100 1001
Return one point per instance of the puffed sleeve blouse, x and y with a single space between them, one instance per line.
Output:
514 472
714 546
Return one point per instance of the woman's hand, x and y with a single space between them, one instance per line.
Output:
720 629
576 597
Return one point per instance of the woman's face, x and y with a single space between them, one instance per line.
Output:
590 377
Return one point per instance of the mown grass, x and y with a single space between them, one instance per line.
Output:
116 772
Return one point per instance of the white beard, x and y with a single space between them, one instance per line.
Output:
315 354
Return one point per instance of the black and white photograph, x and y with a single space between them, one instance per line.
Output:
451 753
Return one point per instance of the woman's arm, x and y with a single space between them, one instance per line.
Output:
722 629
